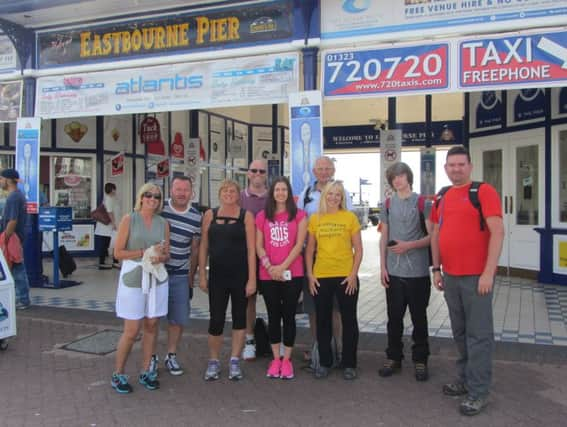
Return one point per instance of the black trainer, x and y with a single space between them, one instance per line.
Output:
454 389
390 368
421 372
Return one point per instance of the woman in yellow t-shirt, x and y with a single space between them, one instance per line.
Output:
334 233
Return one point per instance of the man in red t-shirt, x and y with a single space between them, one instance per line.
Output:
469 257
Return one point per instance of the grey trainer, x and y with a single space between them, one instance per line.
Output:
213 370
234 372
472 405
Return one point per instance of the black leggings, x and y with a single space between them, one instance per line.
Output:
104 243
218 301
331 287
281 301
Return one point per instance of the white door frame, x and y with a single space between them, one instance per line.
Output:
522 243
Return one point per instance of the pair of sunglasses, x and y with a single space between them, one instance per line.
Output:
149 194
260 171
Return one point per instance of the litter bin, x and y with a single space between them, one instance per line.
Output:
7 304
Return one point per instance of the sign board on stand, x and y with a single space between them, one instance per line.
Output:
306 133
56 219
27 160
390 153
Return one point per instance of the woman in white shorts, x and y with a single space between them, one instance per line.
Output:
142 287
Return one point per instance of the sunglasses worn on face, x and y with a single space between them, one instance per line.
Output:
149 194
260 171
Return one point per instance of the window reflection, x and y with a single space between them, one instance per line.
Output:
527 185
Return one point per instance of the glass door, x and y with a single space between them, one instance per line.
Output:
489 165
526 197
512 163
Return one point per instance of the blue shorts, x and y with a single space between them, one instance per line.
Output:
179 302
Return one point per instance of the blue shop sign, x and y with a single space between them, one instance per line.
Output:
363 136
55 219
413 135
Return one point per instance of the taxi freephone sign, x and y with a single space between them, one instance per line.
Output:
499 62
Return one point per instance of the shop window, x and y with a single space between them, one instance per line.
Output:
73 179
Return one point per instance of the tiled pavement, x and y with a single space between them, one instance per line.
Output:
524 311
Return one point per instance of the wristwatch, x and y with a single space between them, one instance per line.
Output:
434 269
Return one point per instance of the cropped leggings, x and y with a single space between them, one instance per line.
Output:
218 302
281 301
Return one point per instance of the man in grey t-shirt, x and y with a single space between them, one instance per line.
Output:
404 261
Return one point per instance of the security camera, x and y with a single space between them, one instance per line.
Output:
379 124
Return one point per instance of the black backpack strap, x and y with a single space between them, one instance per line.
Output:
215 213
421 200
475 201
306 197
440 195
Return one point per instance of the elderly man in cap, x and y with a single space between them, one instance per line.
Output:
13 222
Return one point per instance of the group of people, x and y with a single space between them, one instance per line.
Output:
453 241
257 239
261 240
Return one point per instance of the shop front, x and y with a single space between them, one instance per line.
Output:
194 92
509 86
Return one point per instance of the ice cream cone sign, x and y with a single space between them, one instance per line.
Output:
76 130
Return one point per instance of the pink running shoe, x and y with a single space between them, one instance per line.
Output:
274 369
287 370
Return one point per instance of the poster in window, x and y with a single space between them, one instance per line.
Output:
217 147
262 143
526 106
73 184
79 132
118 133
486 111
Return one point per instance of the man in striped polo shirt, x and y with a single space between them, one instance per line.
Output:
185 232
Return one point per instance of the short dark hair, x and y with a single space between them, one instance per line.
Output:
181 178
397 169
290 205
459 150
109 187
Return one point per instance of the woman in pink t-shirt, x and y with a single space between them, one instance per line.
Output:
280 232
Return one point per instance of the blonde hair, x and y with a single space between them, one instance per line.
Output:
148 186
323 208
229 183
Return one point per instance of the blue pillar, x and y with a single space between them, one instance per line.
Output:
310 68
32 244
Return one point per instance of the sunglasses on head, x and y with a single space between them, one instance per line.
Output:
260 171
149 194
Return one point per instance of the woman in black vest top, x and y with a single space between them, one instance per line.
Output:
228 241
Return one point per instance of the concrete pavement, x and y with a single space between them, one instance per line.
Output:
43 385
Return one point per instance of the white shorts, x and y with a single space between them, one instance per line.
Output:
133 304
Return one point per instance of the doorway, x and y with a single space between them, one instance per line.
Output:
514 164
